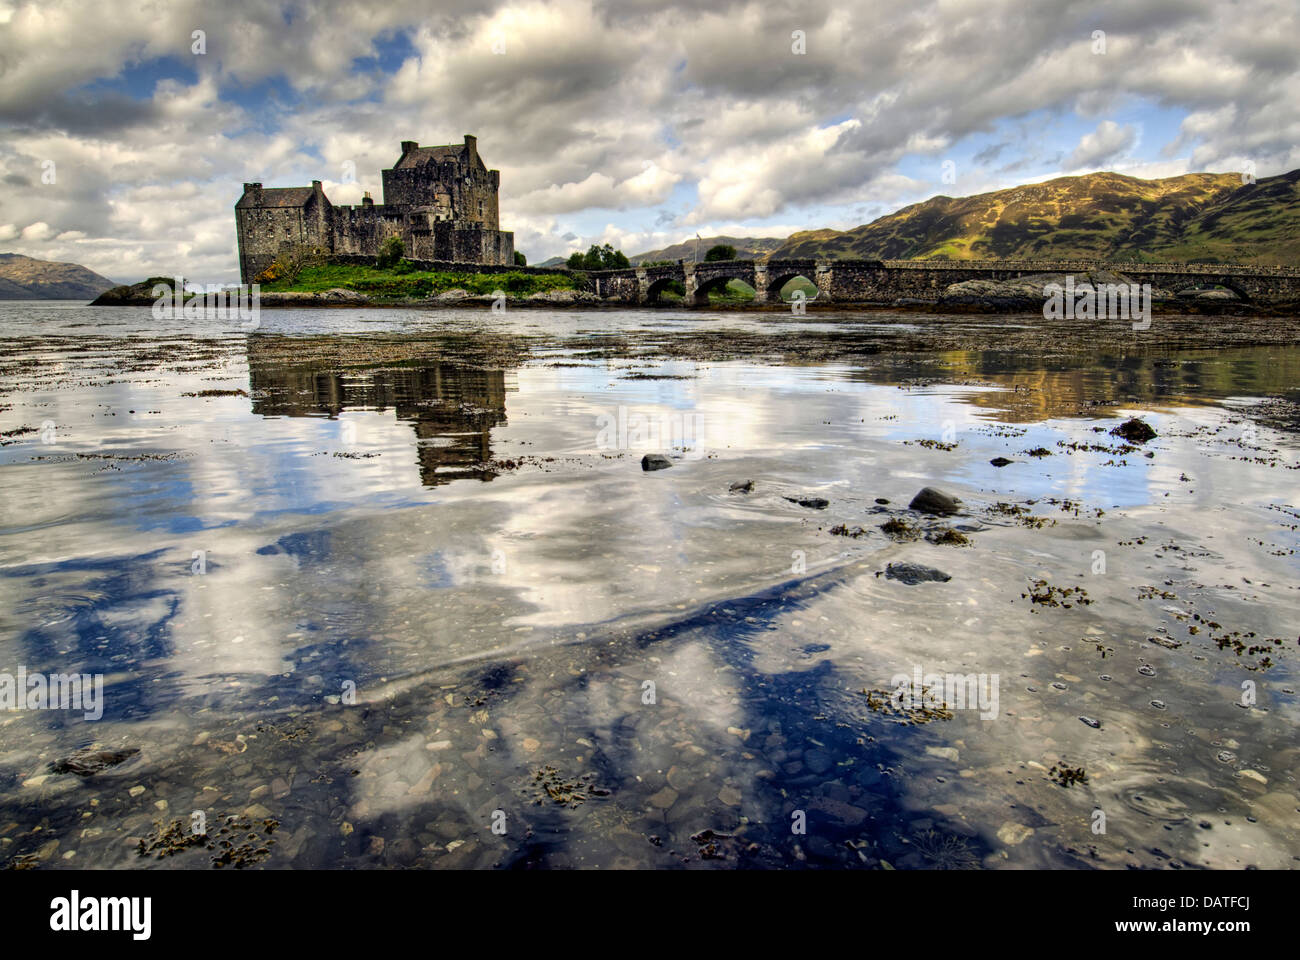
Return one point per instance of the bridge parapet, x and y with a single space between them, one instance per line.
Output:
1082 266
875 281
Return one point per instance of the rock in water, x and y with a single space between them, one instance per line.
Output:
85 762
914 573
655 461
743 486
1000 461
1134 431
930 500
813 503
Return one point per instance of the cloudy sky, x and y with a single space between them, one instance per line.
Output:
633 122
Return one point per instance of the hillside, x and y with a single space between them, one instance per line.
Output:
747 248
1104 216
24 278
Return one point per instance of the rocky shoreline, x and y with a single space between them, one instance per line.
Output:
1015 296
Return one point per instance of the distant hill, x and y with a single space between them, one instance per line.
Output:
747 248
1104 216
24 278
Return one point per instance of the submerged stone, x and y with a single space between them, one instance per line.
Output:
930 500
913 573
85 762
814 503
655 461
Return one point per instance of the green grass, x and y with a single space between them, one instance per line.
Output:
404 283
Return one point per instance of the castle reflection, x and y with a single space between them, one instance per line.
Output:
451 407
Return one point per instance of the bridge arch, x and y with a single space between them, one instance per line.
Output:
661 284
780 278
719 282
1194 282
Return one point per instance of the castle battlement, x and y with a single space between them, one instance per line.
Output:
442 202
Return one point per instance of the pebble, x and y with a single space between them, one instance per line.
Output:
664 799
1013 834
817 761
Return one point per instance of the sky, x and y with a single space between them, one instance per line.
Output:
128 128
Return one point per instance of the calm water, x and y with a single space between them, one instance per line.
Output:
401 587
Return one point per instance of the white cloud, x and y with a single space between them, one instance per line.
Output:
1103 146
618 118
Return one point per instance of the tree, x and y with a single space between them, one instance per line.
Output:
520 259
391 252
722 251
289 262
613 259
598 258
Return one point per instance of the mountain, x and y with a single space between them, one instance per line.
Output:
747 248
1104 216
23 278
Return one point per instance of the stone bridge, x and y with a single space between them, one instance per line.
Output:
884 281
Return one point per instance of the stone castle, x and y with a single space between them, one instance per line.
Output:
442 202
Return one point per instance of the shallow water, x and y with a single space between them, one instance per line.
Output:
439 511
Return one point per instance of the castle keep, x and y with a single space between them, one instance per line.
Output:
442 202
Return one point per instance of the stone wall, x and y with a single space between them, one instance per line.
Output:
877 281
450 266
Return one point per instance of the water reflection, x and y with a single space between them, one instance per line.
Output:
452 408
494 633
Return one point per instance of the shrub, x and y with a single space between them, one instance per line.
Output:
520 259
391 252
722 251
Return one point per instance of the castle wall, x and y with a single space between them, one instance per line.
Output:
263 231
363 228
471 243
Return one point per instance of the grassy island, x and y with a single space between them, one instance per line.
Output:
403 281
